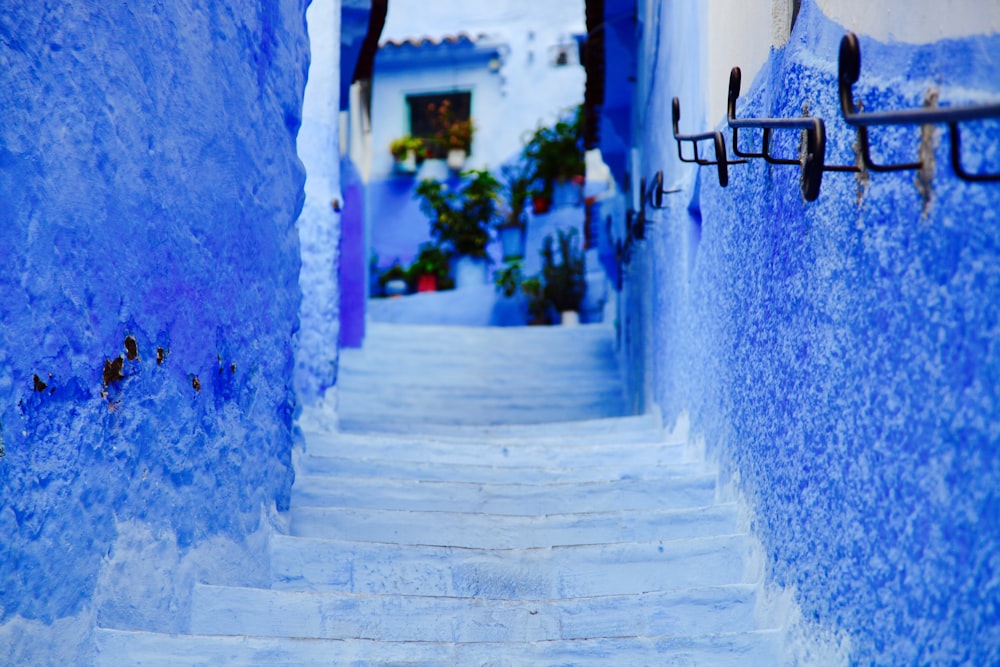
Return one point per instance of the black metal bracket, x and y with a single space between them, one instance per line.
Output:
654 196
721 160
812 163
850 71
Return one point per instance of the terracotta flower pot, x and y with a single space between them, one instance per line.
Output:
427 283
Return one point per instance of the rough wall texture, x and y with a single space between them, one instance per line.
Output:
148 191
841 357
319 225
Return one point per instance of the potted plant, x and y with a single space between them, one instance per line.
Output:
556 155
517 188
452 136
405 151
563 281
537 307
429 271
461 221
510 280
394 280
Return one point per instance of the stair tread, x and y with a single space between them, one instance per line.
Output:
249 611
530 573
503 453
761 648
476 530
593 427
481 436
511 499
360 466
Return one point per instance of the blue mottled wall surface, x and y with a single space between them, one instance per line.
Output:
148 189
842 357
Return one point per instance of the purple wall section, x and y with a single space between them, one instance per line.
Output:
353 263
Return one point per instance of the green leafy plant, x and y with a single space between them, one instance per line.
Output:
394 272
517 179
555 153
432 260
402 146
508 280
461 220
563 281
537 306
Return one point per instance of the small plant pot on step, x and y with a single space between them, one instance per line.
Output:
456 159
396 287
408 165
427 283
512 242
569 318
470 272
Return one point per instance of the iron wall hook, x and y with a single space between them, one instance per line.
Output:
721 160
651 197
654 196
850 72
813 163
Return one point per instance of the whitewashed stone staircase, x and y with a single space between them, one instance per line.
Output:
445 525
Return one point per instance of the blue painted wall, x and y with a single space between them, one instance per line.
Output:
842 358
148 188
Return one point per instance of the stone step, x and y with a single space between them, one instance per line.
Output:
392 396
471 530
397 397
516 363
308 464
360 414
606 429
116 648
220 610
483 381
307 564
495 453
511 499
481 341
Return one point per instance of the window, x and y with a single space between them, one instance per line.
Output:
425 114
562 55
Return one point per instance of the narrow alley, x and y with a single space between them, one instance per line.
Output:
486 503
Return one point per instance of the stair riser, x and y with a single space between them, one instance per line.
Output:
244 611
345 467
520 500
506 532
470 413
389 396
346 567
578 365
615 430
503 455
492 436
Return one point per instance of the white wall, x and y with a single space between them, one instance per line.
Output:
390 113
742 32
915 21
530 91
318 224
